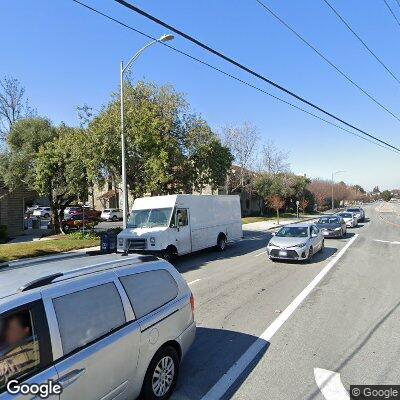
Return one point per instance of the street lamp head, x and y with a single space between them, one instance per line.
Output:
166 38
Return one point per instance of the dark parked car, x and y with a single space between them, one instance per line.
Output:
332 226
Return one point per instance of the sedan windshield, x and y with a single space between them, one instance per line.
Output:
158 217
328 220
293 231
346 215
354 210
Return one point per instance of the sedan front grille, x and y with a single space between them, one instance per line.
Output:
289 254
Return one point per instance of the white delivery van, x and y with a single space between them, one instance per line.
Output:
180 224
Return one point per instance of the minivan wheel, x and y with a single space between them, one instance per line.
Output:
114 218
221 242
162 374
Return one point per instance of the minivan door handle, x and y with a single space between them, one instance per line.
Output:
71 377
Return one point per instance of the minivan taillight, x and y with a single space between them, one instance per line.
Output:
192 302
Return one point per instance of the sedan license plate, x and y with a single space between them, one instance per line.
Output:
283 253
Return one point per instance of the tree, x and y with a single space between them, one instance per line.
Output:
242 142
274 160
304 204
61 172
168 148
386 195
13 105
276 202
17 162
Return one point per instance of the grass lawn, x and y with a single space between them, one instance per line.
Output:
10 252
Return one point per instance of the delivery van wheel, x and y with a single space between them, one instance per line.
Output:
170 253
221 242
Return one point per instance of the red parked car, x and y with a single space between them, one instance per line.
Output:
78 210
75 221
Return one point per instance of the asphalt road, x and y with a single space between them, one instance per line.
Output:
264 327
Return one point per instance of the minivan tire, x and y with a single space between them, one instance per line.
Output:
114 218
171 358
221 242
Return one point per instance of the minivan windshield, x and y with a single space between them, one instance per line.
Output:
152 218
293 231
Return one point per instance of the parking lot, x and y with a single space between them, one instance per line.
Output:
240 293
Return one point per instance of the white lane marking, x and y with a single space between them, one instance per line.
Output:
330 384
260 254
385 241
226 381
196 280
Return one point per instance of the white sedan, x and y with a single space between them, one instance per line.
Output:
112 214
350 218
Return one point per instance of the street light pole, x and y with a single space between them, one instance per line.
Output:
333 174
163 38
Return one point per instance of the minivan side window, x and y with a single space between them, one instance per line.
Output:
87 315
148 291
22 337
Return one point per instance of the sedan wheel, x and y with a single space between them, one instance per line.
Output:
310 254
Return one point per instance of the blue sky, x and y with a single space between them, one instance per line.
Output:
67 56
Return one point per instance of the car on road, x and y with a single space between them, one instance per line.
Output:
112 214
43 212
350 219
116 329
295 242
359 213
332 226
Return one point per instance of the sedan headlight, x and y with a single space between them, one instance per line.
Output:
300 245
152 240
337 229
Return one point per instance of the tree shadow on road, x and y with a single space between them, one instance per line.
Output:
213 353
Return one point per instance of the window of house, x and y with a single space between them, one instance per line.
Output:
148 291
87 315
19 347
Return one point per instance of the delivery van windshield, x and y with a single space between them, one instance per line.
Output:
157 217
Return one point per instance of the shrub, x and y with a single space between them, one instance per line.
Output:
3 233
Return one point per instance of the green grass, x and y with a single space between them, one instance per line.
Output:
10 252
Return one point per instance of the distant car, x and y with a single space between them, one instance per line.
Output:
44 212
350 219
111 214
76 222
295 242
79 210
359 213
332 226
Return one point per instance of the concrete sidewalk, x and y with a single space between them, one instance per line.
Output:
268 225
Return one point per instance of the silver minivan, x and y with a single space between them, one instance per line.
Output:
115 329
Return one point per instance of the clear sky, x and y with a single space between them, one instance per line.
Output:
67 56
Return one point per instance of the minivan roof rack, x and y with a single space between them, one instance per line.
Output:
48 279
40 282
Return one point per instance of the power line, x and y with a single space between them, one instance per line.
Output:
246 69
362 42
312 47
384 145
392 12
